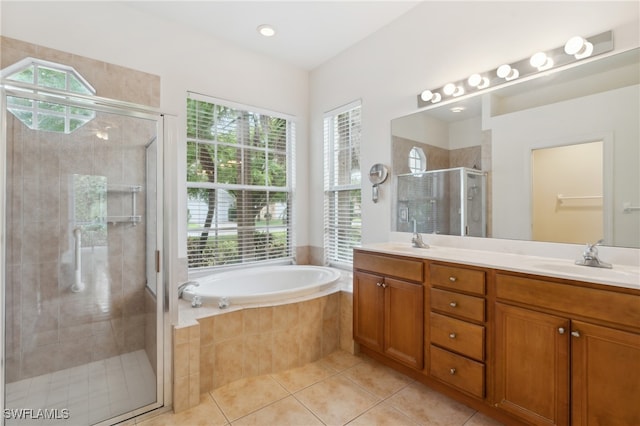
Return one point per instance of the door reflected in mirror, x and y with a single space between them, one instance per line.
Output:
566 193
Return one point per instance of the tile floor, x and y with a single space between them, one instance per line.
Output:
339 389
91 392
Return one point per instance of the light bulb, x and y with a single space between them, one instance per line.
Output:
478 81
449 88
578 47
541 61
505 71
474 80
426 95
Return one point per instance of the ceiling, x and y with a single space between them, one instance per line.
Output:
308 32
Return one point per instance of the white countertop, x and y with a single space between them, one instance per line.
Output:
627 276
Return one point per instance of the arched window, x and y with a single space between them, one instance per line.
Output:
417 160
47 115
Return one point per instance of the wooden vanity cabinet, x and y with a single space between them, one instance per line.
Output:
457 332
522 348
388 313
566 354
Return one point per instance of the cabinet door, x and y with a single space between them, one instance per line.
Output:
605 380
368 310
532 365
404 310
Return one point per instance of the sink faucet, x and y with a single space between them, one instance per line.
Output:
416 240
182 287
590 257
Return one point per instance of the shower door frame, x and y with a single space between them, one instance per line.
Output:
165 127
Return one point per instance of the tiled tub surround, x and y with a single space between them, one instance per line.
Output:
214 347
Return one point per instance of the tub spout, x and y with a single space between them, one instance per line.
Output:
182 287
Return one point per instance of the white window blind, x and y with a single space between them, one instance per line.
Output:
238 184
342 176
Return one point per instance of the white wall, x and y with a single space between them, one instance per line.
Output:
184 59
432 44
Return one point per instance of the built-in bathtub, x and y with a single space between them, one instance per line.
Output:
307 316
266 284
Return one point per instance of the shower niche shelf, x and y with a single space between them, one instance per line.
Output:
133 218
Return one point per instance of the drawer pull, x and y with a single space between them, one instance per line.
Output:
380 285
452 335
561 330
453 304
575 333
453 279
452 371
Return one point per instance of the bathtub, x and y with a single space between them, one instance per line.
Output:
265 284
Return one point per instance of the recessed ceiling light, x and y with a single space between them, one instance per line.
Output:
266 30
457 109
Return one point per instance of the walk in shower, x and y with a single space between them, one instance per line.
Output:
81 288
448 201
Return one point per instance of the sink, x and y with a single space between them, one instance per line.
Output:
617 273
406 247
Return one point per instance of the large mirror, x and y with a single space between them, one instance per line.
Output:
560 156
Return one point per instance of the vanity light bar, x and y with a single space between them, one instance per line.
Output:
576 49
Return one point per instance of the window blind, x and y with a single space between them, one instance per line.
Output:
238 184
342 177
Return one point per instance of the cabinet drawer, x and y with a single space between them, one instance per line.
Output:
457 371
453 277
458 304
459 336
390 266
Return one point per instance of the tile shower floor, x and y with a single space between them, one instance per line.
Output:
337 390
91 392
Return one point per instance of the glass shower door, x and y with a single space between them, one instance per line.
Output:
82 321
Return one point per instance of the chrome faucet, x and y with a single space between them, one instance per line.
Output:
590 257
416 240
182 287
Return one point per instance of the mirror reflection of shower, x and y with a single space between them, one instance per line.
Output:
447 201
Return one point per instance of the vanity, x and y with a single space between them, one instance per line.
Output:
506 182
524 339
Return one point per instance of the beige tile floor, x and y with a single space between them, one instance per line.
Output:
339 389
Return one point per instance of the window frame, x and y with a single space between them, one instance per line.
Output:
334 256
289 152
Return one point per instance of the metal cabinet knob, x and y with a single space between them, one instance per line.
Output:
453 304
561 330
379 284
575 333
452 335
453 279
452 371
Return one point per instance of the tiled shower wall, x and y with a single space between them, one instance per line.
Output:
48 327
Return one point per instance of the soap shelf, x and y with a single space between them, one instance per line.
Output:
133 218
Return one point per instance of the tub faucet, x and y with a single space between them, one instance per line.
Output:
590 257
182 287
416 240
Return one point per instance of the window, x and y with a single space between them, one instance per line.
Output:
417 160
342 219
46 115
239 167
